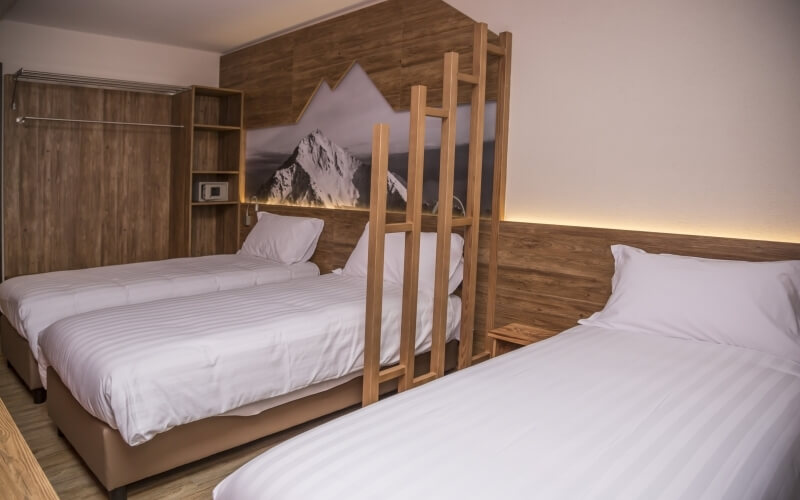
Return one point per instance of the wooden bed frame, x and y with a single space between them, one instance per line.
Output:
20 359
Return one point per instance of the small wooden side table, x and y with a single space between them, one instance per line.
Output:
516 335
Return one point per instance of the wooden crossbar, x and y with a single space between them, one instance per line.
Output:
425 377
436 112
495 50
391 373
481 356
462 221
398 227
467 78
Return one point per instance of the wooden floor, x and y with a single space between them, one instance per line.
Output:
72 480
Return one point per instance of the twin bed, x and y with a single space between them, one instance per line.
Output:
686 385
277 250
591 413
32 303
212 360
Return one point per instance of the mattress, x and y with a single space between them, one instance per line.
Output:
146 368
34 302
590 413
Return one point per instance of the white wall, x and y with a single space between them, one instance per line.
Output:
662 115
62 51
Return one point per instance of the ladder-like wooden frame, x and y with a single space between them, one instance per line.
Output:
445 222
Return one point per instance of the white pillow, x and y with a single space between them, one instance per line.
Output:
755 305
284 239
394 259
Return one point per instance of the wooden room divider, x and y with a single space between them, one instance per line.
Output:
445 222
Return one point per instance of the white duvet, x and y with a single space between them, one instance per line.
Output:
34 302
589 414
146 368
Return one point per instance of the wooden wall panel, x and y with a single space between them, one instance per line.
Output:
399 43
180 175
82 195
551 276
548 276
339 235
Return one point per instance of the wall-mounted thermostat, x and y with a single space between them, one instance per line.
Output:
210 191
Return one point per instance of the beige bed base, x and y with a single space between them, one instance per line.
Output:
116 464
18 354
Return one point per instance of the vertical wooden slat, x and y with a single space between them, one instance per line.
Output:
377 225
180 176
472 231
416 161
444 220
236 105
500 165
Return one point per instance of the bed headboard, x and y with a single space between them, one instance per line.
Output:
339 235
551 276
343 227
548 276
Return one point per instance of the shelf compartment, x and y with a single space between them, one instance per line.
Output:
217 107
212 227
215 151
231 179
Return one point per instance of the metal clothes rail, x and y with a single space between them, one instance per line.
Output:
24 119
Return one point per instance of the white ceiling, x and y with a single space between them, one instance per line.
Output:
213 25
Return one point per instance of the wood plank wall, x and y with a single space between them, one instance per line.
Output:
551 276
399 43
548 276
79 195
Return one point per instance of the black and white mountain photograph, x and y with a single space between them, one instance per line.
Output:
324 159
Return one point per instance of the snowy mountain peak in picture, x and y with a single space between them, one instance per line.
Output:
324 158
321 173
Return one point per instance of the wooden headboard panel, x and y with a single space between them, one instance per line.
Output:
343 227
549 276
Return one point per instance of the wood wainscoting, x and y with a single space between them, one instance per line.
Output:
552 276
547 276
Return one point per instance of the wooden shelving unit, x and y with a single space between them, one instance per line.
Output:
210 147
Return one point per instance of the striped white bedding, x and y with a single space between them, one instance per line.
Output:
589 414
34 302
146 368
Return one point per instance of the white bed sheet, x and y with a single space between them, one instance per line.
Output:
590 413
34 302
146 368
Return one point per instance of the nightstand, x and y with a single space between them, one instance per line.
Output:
515 335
